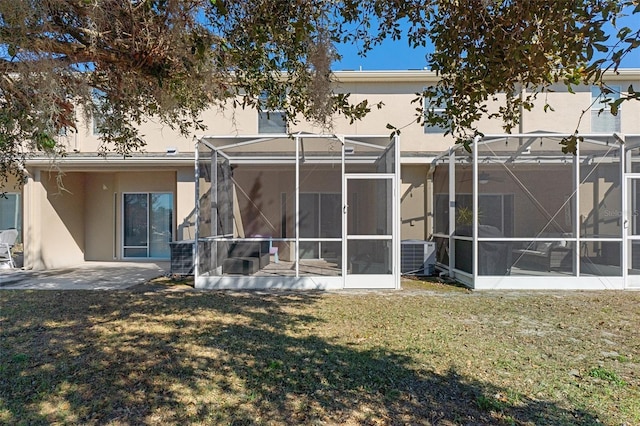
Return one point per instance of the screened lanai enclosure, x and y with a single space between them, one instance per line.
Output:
297 211
517 213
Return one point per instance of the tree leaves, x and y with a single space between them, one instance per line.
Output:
219 6
172 59
168 59
515 50
570 144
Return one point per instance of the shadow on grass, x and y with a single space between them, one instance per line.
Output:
127 358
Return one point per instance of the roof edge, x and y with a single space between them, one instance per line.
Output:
425 75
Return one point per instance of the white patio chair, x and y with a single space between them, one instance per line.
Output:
7 240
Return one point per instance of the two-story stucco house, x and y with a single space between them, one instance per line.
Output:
272 206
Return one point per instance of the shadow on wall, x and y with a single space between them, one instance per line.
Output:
32 253
65 238
200 358
253 214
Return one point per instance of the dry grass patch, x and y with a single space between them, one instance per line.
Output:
271 358
410 283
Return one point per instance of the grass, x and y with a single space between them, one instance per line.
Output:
601 373
432 284
442 356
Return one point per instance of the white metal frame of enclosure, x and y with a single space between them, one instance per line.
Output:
346 279
630 233
574 281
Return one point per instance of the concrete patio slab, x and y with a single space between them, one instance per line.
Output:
86 276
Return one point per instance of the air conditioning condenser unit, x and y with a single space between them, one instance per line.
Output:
417 257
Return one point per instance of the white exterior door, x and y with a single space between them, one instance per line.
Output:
370 243
632 233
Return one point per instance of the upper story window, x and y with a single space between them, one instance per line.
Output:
98 118
97 121
602 120
271 120
438 109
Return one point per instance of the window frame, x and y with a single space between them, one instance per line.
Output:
437 109
602 120
267 117
17 212
126 248
272 126
98 99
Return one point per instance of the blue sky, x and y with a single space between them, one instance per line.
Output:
397 55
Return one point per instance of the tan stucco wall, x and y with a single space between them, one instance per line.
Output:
567 110
12 185
148 181
396 95
629 111
184 201
100 213
565 116
413 202
600 201
54 222
258 191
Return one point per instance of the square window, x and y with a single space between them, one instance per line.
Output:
602 120
271 117
272 122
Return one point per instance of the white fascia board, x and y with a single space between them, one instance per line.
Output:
622 74
427 76
385 76
98 162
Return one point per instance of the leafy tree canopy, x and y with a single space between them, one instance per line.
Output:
486 48
128 60
171 59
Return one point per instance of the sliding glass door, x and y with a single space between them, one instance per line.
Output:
147 225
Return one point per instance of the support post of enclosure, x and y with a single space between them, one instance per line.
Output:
214 209
196 174
345 208
475 245
452 210
296 250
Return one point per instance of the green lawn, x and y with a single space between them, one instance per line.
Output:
441 356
